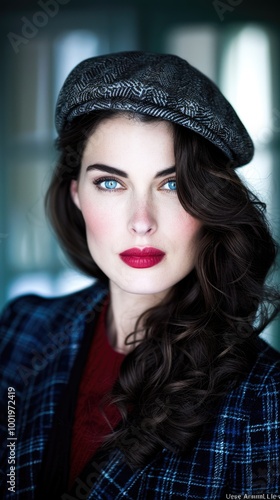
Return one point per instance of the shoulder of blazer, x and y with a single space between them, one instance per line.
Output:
32 327
38 307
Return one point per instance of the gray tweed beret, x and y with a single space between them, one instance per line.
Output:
160 85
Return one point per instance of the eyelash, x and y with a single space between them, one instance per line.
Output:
98 182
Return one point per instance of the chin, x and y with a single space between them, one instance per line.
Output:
145 288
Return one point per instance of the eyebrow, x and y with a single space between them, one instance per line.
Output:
121 173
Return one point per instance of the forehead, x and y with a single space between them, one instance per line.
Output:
123 137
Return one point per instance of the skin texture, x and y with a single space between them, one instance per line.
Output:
140 210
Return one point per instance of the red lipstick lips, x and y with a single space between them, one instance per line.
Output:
141 258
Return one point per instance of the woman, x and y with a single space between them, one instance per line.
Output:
152 383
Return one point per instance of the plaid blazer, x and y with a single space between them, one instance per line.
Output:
239 453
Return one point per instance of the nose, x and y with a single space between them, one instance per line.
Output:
143 219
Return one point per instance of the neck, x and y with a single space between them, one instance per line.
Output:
124 310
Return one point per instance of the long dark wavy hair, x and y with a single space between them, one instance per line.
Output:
200 341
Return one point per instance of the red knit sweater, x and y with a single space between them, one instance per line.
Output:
90 426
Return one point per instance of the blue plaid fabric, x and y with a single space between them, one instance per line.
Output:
239 453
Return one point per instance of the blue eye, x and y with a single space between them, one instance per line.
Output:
110 184
171 185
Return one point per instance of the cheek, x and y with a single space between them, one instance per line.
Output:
102 220
98 222
187 229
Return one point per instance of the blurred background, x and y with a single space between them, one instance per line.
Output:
235 42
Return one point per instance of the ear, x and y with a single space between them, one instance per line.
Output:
74 193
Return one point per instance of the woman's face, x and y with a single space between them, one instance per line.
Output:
137 231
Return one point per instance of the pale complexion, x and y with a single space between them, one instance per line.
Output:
126 192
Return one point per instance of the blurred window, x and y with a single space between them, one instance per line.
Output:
35 70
